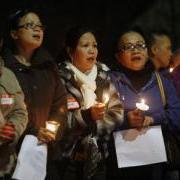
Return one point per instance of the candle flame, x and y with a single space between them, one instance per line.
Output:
171 70
105 98
142 101
142 105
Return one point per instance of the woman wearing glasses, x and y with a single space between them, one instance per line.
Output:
134 78
45 96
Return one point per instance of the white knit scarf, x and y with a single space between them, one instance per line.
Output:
87 84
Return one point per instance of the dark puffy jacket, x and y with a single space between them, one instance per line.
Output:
45 96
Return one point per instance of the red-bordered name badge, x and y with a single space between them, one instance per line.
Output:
6 99
72 103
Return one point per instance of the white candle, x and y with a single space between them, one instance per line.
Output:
52 126
142 106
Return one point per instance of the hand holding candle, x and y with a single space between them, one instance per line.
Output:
142 106
98 110
136 117
52 126
48 134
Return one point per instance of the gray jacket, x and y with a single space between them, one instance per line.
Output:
12 109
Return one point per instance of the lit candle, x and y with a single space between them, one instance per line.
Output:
171 70
105 98
142 106
52 126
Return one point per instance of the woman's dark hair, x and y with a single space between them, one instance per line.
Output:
115 42
119 35
74 34
72 39
14 18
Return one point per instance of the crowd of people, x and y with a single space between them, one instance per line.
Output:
88 100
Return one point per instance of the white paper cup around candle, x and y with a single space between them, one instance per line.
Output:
52 126
142 106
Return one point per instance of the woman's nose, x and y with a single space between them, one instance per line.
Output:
91 50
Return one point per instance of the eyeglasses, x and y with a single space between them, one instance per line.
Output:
32 26
131 47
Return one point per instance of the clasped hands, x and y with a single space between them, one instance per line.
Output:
136 119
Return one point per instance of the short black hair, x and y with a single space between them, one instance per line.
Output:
74 34
120 34
71 40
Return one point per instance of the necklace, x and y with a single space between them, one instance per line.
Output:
22 60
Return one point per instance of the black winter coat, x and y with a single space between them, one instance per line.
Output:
45 96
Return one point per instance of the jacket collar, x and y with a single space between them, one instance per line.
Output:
67 73
122 77
40 58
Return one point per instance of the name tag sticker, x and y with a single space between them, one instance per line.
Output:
72 103
6 99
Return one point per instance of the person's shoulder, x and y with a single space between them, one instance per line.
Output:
176 71
7 72
167 81
102 67
165 74
115 75
9 80
42 57
64 71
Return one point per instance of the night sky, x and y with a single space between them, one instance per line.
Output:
108 17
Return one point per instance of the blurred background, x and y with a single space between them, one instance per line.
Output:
108 17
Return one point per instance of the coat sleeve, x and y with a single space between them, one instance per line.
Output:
113 117
114 114
18 115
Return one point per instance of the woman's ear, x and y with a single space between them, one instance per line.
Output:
14 34
154 49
